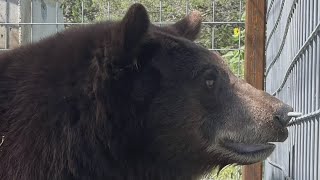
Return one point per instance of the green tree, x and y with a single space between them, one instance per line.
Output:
76 11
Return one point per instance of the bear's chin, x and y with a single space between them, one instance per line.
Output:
242 153
249 153
235 148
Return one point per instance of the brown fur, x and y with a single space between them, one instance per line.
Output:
127 100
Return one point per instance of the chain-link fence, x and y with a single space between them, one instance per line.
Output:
293 75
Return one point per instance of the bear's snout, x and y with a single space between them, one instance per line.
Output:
281 115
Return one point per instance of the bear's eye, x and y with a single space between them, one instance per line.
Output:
210 83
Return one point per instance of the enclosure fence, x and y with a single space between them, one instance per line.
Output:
26 21
37 14
293 75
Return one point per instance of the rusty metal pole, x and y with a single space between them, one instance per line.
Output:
255 62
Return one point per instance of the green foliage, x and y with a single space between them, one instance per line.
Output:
73 10
213 36
228 173
236 58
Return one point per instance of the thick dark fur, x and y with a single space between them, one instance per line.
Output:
122 100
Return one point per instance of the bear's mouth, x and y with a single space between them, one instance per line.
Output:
244 148
243 153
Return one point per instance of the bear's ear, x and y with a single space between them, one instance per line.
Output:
189 27
134 26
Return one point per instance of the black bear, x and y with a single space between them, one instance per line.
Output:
129 100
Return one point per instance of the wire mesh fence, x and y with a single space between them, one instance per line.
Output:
293 75
27 21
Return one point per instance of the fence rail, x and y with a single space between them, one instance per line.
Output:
293 75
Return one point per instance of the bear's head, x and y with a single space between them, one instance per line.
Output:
183 106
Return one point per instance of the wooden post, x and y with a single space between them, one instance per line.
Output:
255 62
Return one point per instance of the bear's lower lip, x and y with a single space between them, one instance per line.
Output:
243 148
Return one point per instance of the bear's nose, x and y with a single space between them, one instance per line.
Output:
282 115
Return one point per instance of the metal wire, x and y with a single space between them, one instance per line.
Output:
297 58
274 164
277 23
269 8
293 75
163 22
283 39
305 117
